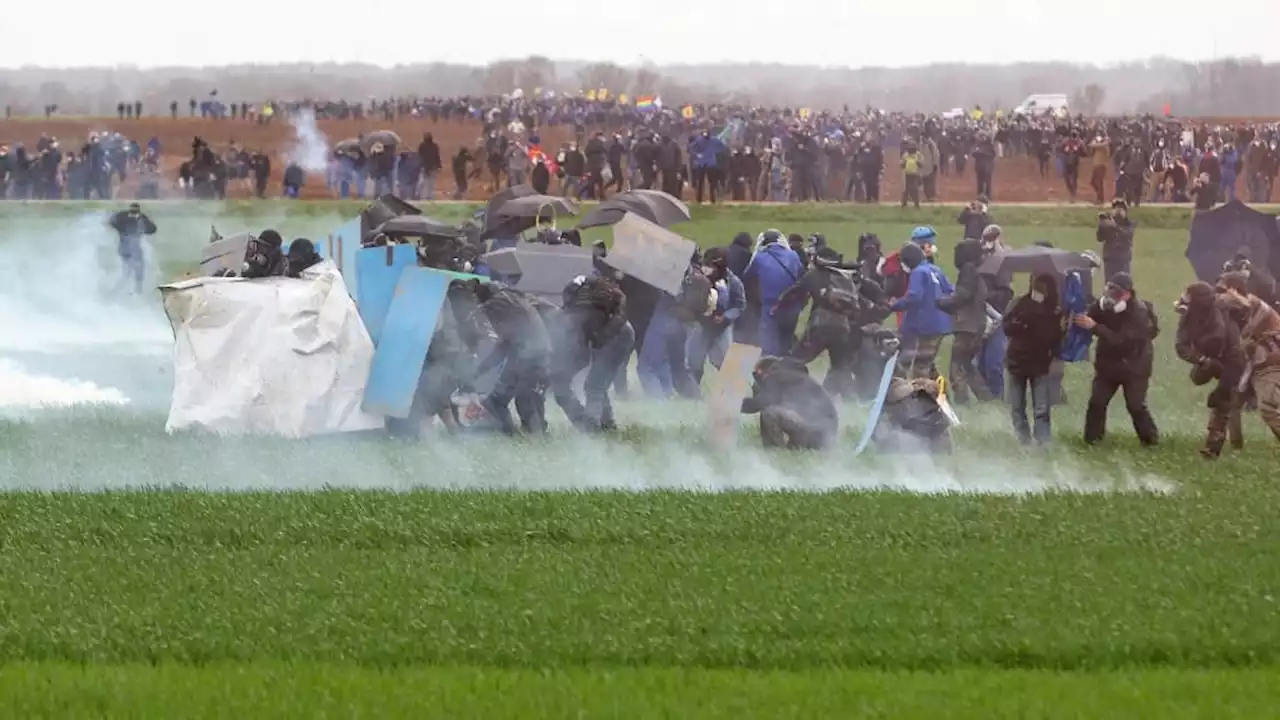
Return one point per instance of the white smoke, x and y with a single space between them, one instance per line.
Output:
66 304
21 389
310 149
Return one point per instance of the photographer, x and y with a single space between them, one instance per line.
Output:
975 219
1115 233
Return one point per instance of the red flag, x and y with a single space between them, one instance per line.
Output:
1168 109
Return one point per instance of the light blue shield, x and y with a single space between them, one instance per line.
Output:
378 272
877 407
407 329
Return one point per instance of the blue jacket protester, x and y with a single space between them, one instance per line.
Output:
921 316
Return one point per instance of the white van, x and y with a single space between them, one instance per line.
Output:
1038 105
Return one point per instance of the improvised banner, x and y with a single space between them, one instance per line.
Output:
650 253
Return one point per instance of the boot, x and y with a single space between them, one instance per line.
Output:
1212 447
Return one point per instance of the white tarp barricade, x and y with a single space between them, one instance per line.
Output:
272 356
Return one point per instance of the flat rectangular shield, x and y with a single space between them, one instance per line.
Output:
732 384
346 243
410 324
224 254
378 271
649 253
877 407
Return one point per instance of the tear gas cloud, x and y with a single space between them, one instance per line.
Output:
310 149
80 357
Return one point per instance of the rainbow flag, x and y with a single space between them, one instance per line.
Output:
645 102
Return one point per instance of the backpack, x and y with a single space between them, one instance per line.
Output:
1155 320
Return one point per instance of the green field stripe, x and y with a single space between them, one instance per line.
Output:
321 691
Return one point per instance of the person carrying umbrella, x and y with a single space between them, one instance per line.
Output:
1034 326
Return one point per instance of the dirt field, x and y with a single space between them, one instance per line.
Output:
1016 179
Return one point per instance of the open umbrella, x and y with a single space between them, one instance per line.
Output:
384 208
1216 236
541 269
519 214
1034 260
385 137
655 206
347 145
416 226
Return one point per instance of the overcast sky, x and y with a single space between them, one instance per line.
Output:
824 32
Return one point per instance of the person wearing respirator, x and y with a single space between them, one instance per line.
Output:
1126 328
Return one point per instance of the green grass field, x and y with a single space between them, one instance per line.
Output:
363 578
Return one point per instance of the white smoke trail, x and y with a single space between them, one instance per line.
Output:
24 390
310 149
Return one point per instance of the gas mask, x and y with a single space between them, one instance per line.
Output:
1113 305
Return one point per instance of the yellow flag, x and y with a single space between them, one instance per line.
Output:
602 94
591 94
804 113
687 112
623 99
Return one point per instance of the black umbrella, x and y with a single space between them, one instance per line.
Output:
542 269
384 208
655 206
519 214
511 193
1034 260
1216 236
416 226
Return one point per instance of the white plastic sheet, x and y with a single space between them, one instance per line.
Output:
274 356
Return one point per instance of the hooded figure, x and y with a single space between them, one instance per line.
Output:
968 309
832 327
1126 329
1034 325
131 225
913 416
924 324
523 348
795 412
264 257
746 329
1210 343
302 255
591 333
774 268
1259 325
711 335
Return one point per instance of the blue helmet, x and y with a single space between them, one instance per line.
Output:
923 234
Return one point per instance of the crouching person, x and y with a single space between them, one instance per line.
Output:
795 412
913 418
1211 344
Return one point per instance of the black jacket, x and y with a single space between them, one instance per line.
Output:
968 304
788 385
1035 331
1125 340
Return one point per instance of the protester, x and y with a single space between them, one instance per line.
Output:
1126 329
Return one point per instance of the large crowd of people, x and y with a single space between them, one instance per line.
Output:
754 291
700 152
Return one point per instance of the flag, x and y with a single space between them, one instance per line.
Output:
591 95
646 102
1168 110
687 112
602 94
805 113
623 99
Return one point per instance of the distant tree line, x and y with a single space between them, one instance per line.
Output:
1232 87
